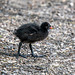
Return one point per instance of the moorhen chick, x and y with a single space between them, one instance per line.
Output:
30 33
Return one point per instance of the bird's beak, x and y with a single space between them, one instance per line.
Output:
51 28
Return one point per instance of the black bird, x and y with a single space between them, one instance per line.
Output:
30 33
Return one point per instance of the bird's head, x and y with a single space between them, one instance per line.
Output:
46 26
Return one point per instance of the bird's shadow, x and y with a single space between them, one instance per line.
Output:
14 54
8 54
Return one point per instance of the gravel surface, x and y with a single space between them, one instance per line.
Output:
59 46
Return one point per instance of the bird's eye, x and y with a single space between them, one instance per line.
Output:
46 27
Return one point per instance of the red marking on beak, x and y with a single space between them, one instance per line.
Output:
51 27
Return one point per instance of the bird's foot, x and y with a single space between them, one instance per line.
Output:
24 56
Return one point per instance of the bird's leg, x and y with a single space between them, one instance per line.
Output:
20 44
32 53
19 54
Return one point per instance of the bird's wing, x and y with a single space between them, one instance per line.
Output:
33 29
28 29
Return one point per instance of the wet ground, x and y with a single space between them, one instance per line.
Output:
59 46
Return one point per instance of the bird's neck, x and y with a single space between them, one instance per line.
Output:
44 30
